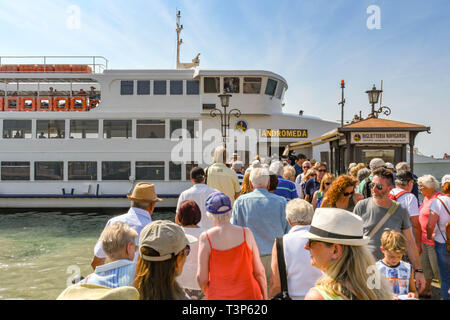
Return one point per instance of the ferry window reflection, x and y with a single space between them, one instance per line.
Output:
211 85
189 167
271 86
159 87
176 87
116 170
116 129
192 87
149 170
143 87
126 87
231 85
252 85
15 170
82 170
83 129
192 128
48 170
175 129
279 91
52 129
17 129
151 129
174 171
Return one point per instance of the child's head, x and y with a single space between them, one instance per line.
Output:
393 246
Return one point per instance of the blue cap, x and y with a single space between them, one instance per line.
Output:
218 202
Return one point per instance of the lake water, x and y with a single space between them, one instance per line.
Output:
40 252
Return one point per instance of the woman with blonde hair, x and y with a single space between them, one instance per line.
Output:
308 175
342 194
325 184
245 187
338 248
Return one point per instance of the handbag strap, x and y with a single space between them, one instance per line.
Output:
394 206
281 264
446 209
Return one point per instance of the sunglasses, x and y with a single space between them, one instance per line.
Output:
306 167
322 170
379 186
346 194
327 183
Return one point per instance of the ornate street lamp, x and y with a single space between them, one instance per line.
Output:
374 95
225 116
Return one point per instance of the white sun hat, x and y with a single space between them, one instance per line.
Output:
335 225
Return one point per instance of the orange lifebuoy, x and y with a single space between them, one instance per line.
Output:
27 104
45 68
78 104
63 68
2 101
61 104
93 103
12 104
45 104
9 68
27 67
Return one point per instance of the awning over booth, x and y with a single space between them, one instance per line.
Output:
326 137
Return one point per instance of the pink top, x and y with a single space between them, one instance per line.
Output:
231 274
424 210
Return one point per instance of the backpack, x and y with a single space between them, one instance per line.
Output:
367 193
398 195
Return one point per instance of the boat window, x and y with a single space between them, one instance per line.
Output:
192 128
175 129
15 170
151 129
143 87
159 87
231 85
116 170
192 87
271 86
174 171
82 170
149 170
189 167
116 129
83 129
176 87
211 85
126 87
279 91
51 129
209 106
252 85
17 129
28 104
48 170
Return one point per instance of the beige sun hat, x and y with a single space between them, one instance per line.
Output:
144 192
97 292
164 236
335 225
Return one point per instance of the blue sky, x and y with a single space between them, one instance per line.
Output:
313 44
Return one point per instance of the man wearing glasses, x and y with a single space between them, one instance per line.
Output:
374 209
298 164
313 184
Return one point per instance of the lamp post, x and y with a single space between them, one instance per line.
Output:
225 115
342 102
374 95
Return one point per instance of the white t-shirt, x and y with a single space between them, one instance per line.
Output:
444 217
198 193
407 201
188 278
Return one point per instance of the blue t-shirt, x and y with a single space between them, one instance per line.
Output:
286 189
399 276
311 186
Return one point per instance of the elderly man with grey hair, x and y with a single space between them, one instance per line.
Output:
404 166
301 275
364 188
285 188
238 167
263 213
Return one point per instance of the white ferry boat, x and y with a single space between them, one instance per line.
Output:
79 134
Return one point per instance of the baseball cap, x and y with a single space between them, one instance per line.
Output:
389 165
445 179
376 163
405 176
218 203
164 236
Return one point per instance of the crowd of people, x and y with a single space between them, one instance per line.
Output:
279 226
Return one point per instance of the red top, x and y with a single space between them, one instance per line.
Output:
424 211
231 274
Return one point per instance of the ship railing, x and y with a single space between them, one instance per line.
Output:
39 64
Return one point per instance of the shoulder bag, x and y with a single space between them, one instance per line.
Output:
392 209
447 228
284 294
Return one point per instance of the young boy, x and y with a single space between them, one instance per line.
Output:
398 272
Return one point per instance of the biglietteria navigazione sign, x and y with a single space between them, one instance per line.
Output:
285 133
379 137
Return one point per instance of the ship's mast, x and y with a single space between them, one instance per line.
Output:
196 60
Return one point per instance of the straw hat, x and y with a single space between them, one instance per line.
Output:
335 225
144 192
96 292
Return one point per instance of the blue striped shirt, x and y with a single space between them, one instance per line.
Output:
114 274
286 189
